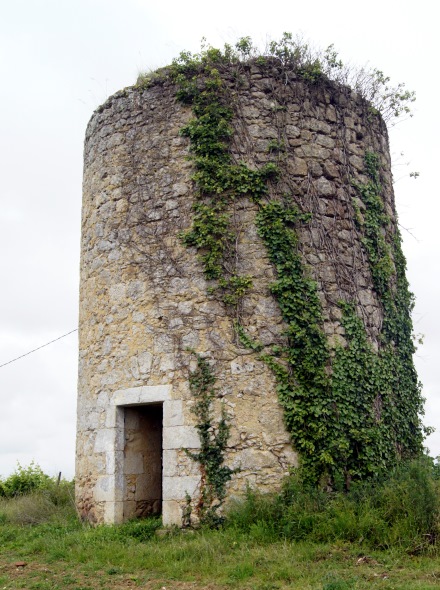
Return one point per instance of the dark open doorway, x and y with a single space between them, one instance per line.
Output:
143 461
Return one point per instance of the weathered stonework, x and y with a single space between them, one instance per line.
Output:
144 300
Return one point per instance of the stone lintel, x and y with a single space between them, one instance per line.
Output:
145 394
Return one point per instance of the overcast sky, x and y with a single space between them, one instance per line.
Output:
60 59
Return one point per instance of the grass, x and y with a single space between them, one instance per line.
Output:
71 555
254 550
401 510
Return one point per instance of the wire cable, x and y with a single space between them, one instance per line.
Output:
35 349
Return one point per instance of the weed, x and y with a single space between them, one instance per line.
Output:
401 510
53 503
105 557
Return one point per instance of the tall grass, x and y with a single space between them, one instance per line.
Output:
51 504
400 510
300 538
29 496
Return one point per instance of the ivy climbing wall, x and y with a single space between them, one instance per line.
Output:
243 215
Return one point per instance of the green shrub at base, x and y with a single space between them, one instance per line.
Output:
29 496
24 480
402 510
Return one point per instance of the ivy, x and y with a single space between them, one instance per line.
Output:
218 179
209 233
295 292
363 440
375 225
233 288
303 384
213 441
388 269
351 413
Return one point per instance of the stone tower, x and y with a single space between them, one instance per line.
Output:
145 301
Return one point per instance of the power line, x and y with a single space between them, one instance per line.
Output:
35 349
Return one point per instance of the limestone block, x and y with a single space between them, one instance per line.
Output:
318 125
141 395
177 463
292 131
367 298
105 489
250 112
313 151
167 362
289 456
349 122
331 114
138 317
314 168
324 187
242 365
176 488
173 413
119 438
113 512
105 440
191 340
109 378
102 400
330 170
171 513
325 141
114 417
135 289
185 307
87 419
114 461
117 292
169 462
252 460
298 167
254 130
180 437
180 188
134 367
357 162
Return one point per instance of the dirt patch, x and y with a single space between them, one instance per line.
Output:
48 576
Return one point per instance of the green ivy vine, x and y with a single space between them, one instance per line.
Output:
218 179
351 414
213 440
388 269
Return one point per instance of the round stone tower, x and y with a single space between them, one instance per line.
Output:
148 308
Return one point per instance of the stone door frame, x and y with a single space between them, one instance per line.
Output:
110 441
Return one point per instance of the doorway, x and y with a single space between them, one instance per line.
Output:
142 471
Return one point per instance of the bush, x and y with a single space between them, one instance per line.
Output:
400 510
29 496
24 480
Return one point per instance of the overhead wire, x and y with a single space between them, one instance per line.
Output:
35 349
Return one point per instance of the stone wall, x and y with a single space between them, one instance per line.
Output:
144 300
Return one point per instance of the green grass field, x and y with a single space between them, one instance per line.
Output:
380 536
74 556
